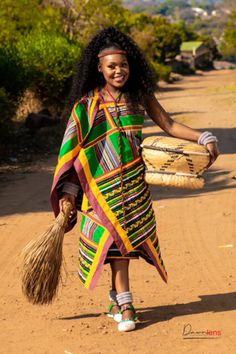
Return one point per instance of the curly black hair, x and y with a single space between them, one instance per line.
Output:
87 77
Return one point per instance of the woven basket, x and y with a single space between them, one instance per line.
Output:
174 162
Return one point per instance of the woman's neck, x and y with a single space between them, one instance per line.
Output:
112 92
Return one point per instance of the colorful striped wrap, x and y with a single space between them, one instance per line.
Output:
116 210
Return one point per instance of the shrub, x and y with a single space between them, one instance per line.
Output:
162 71
48 60
7 109
228 44
11 71
19 17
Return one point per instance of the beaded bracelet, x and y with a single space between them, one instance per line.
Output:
206 138
124 298
70 188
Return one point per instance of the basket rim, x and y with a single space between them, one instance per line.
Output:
177 151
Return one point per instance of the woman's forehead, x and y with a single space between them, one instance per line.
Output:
114 58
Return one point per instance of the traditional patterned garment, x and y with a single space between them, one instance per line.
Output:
102 143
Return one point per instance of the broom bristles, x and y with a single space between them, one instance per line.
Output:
42 260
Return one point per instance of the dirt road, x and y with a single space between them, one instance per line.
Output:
197 231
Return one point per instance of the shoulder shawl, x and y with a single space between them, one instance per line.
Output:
78 127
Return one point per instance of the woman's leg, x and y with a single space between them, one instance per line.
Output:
120 274
120 277
113 284
115 308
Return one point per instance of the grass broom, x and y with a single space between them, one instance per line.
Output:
42 261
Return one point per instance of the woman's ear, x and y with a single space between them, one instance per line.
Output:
99 67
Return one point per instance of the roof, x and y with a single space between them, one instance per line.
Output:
190 46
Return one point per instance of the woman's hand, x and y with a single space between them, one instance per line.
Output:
214 152
67 197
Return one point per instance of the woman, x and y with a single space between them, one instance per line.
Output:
100 169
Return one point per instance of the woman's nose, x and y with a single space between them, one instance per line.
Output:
118 70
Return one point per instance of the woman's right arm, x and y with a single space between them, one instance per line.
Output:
70 190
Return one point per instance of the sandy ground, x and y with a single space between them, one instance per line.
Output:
197 231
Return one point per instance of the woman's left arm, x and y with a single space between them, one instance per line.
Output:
157 113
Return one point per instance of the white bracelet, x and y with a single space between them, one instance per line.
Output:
70 188
206 138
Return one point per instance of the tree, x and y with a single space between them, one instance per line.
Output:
186 32
157 37
210 43
146 39
19 17
228 46
81 21
167 39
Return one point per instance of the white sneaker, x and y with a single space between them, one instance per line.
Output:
117 317
129 324
126 325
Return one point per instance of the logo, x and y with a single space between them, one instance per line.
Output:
189 333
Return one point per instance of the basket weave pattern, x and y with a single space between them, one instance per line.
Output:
174 162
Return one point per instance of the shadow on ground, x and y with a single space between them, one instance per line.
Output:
178 88
207 303
151 315
212 184
80 317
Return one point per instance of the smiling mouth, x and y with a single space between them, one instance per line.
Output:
119 78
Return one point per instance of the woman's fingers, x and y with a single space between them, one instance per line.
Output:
65 199
214 152
61 202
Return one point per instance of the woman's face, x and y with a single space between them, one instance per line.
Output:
115 69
